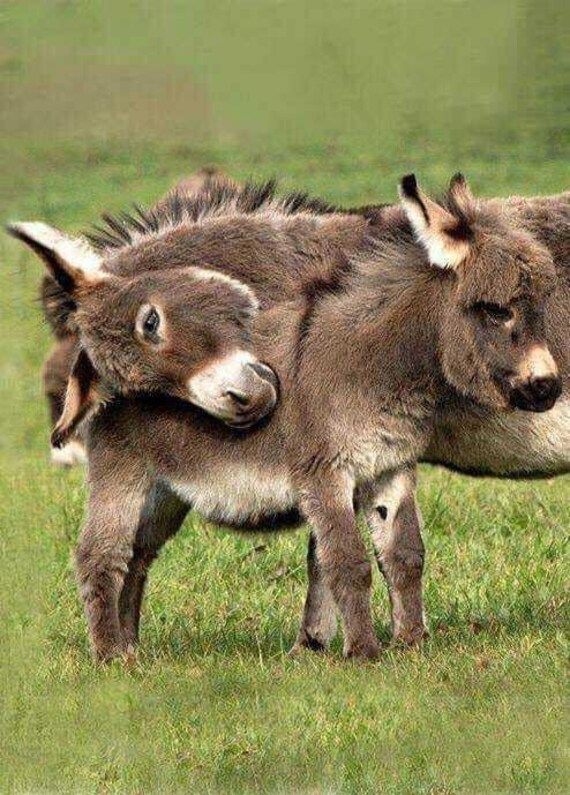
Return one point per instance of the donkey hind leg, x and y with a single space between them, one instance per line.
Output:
55 374
73 452
319 622
394 520
342 556
116 509
162 519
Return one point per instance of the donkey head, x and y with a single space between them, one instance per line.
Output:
183 332
492 342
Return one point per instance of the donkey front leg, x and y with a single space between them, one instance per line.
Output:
104 550
343 560
394 520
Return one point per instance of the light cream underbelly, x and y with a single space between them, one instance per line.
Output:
238 493
505 443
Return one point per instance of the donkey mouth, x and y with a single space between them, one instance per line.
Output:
244 424
252 405
249 420
242 401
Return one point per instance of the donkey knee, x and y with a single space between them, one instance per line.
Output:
403 565
99 567
346 576
94 554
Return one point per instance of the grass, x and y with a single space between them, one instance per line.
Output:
214 704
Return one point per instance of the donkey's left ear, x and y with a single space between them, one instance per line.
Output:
462 202
445 235
70 260
83 397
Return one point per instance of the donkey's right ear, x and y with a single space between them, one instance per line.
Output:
71 261
83 397
445 238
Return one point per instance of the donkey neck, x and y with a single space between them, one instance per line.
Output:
272 252
379 335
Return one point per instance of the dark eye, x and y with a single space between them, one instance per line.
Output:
494 312
148 323
151 323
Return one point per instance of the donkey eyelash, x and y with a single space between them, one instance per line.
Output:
496 312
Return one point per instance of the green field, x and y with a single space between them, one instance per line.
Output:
104 104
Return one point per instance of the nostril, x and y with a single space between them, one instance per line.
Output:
265 372
543 387
238 397
538 394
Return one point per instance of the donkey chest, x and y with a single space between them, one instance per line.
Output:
373 449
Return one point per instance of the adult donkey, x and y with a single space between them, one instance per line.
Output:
396 310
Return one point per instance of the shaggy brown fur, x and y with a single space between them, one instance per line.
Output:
363 386
192 223
207 221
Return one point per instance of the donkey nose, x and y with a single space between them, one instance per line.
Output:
537 394
546 389
265 372
239 398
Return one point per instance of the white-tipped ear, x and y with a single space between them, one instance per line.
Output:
70 260
440 233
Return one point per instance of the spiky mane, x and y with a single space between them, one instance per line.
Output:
218 198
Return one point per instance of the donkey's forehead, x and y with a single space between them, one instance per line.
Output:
500 274
194 245
183 281
499 228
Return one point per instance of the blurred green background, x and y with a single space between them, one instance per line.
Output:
106 103
379 87
249 72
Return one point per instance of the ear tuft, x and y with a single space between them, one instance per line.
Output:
59 437
414 203
436 229
461 201
35 233
70 261
457 180
409 186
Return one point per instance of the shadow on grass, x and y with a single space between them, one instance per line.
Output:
452 633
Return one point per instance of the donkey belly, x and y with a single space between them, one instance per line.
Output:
511 444
241 495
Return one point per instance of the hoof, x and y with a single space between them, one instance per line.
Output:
369 650
307 643
110 655
411 637
129 657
